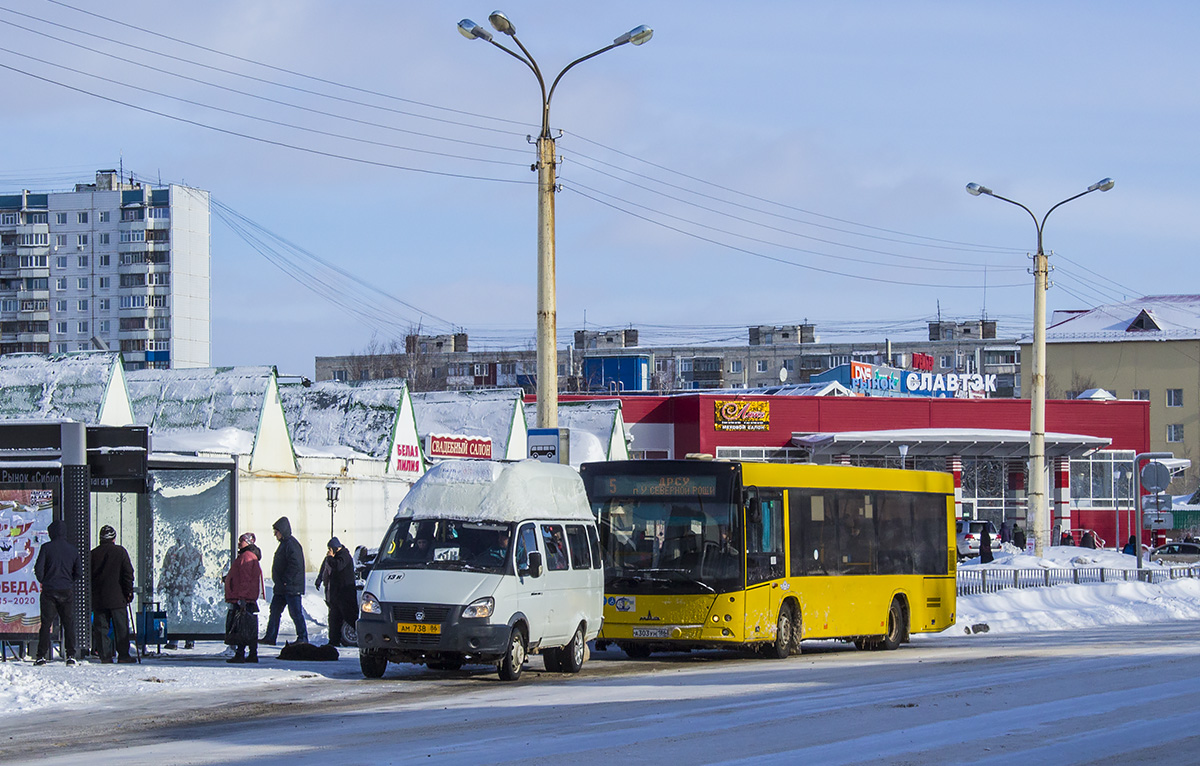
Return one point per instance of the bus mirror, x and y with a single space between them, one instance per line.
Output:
535 564
754 510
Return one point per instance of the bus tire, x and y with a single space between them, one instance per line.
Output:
896 626
572 656
373 664
784 634
513 663
636 651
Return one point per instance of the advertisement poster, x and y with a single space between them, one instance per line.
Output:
740 415
25 515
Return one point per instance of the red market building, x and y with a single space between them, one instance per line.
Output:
1090 445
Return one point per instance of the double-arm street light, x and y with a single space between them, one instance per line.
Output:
547 319
1037 393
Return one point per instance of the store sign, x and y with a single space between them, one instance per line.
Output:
740 415
25 515
952 384
922 361
473 447
868 377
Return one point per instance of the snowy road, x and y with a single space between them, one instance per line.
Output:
1126 694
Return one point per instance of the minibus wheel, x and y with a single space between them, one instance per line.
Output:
572 655
514 659
373 664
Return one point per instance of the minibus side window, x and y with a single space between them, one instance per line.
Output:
577 540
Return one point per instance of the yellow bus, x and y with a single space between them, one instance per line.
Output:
705 553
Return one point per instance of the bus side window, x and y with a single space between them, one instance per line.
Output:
764 536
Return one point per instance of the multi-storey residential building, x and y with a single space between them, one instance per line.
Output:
110 265
791 353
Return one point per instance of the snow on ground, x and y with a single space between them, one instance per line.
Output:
24 687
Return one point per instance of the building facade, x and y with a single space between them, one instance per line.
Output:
109 266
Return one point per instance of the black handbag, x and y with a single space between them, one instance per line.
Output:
241 626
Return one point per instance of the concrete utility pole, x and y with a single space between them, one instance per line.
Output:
1037 393
547 310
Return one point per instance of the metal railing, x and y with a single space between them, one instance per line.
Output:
977 580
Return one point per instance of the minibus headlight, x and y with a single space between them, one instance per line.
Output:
370 604
479 608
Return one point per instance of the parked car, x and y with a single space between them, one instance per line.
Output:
969 534
1176 553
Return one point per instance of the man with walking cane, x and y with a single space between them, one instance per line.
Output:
112 593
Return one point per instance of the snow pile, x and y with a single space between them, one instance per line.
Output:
1059 556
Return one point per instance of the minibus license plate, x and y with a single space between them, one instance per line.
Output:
651 632
418 627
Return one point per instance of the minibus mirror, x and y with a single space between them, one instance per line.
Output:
535 564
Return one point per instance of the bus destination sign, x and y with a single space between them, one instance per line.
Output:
655 486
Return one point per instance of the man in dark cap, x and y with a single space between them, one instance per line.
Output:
112 592
57 568
337 571
287 575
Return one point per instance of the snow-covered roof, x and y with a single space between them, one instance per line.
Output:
485 490
1098 394
199 399
61 386
489 413
335 414
1153 317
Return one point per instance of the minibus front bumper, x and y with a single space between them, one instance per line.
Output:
453 635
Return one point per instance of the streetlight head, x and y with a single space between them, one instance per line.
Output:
1104 184
637 36
501 24
975 190
470 30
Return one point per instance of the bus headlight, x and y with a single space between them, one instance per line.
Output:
479 608
370 604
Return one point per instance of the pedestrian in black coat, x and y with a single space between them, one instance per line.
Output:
112 592
57 568
1019 537
341 592
985 546
287 574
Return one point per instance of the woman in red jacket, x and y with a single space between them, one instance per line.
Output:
243 588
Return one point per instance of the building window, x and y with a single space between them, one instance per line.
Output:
83 261
104 325
508 368
83 283
160 212
103 217
8 219
35 218
82 217
83 305
837 360
9 304
137 235
61 348
104 304
339 375
83 328
685 365
133 301
762 365
104 282
946 362
82 240
60 306
105 260
735 365
61 328
1141 394
789 365
1175 397
1175 432
33 239
132 214
60 283
60 240
103 238
60 219
60 261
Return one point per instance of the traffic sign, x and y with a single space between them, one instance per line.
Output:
1158 520
1155 476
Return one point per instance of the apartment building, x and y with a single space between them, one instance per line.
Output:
112 265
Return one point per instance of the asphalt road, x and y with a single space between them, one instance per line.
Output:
1120 695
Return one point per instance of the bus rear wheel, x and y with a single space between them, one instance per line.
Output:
896 627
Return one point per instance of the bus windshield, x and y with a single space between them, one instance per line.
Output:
446 544
668 534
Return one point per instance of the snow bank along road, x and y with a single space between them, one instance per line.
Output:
1123 694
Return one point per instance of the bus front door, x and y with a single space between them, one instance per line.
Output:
764 562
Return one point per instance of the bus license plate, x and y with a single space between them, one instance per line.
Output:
418 627
651 632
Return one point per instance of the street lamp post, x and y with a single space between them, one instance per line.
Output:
547 312
331 494
1037 393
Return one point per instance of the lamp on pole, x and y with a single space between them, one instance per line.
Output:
331 494
1037 393
547 312
903 454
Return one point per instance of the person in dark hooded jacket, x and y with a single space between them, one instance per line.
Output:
341 591
57 568
287 572
985 546
112 592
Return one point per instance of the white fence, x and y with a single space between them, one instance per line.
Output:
980 580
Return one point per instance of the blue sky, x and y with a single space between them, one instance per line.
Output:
754 163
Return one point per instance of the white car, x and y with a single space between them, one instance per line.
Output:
970 531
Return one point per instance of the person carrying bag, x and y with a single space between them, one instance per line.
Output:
243 587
